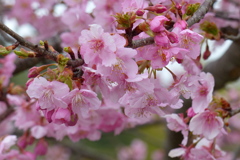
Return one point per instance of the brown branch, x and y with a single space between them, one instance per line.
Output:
200 13
234 112
224 15
142 42
23 64
226 68
10 109
197 16
40 51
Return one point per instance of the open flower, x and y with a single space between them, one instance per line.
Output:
49 94
207 124
82 101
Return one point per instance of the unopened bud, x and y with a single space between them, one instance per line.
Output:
207 53
24 53
4 51
70 52
140 12
35 71
158 8
172 37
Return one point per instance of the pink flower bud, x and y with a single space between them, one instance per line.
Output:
160 8
140 12
172 37
33 72
29 82
190 112
207 53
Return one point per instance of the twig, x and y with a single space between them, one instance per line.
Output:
197 16
231 37
234 112
225 16
200 13
40 51
142 42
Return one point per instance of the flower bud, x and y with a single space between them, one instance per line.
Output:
24 53
140 12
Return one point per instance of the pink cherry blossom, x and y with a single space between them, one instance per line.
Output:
202 91
64 116
190 41
111 120
207 124
49 94
46 4
133 5
24 7
175 122
96 46
124 67
38 131
82 101
76 19
55 26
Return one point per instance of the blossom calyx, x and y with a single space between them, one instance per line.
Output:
211 30
24 53
125 20
192 8
62 61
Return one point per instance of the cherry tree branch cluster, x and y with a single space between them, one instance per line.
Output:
109 81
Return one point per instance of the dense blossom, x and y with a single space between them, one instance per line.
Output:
124 46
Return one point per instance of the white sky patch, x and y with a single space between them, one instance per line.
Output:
217 50
59 9
165 76
90 7
25 30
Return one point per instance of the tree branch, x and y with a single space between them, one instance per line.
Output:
40 51
224 15
234 112
197 16
200 13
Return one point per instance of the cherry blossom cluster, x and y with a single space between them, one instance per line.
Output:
119 86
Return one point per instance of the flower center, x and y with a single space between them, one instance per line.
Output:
97 44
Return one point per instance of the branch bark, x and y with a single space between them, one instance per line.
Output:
40 51
227 68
